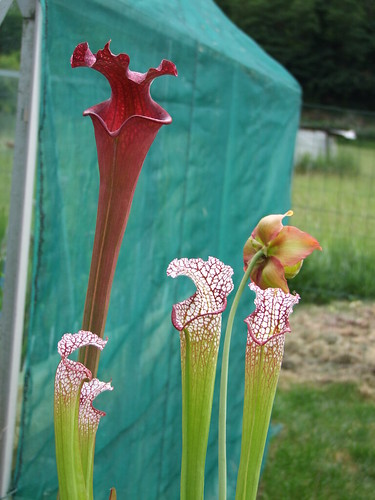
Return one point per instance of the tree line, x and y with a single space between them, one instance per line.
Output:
328 46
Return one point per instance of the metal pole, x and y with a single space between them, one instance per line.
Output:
4 7
19 228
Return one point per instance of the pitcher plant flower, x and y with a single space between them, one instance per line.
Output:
283 248
76 420
272 254
125 126
198 319
266 329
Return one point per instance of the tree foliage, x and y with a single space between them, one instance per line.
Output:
11 31
328 46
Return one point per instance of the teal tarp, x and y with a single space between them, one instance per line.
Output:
223 163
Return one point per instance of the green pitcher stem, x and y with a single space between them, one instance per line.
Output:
87 447
68 459
198 380
224 380
260 389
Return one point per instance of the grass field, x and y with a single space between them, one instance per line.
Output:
339 210
6 161
325 449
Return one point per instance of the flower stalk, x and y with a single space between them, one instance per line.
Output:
272 254
222 453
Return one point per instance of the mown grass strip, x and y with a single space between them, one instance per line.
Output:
326 446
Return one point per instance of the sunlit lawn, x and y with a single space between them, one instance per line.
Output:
6 158
339 210
339 205
325 449
6 162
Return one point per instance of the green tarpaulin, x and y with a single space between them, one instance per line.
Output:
224 162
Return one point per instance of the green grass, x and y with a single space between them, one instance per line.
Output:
10 61
339 210
6 162
341 164
325 449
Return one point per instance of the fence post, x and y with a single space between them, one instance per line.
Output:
18 236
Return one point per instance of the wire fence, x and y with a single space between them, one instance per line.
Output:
333 194
333 199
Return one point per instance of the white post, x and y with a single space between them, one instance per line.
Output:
18 236
4 7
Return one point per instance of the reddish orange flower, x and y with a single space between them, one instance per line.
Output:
284 249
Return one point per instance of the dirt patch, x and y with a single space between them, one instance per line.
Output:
332 343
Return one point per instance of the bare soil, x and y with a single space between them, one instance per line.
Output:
331 343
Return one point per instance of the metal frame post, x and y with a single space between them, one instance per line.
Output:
19 229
